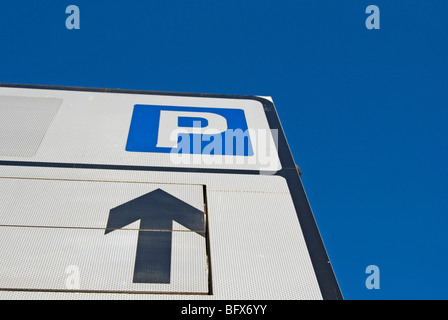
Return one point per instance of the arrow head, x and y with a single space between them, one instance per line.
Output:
156 210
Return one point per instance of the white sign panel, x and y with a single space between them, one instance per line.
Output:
133 194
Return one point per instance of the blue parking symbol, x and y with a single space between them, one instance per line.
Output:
189 130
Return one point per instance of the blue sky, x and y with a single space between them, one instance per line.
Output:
364 111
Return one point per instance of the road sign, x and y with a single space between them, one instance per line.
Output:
118 193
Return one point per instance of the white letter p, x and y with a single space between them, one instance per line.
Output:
169 128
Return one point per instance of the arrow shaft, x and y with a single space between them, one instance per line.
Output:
153 257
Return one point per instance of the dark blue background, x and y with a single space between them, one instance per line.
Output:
364 111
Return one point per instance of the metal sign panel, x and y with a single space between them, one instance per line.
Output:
147 195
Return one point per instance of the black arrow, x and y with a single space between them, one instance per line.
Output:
156 211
